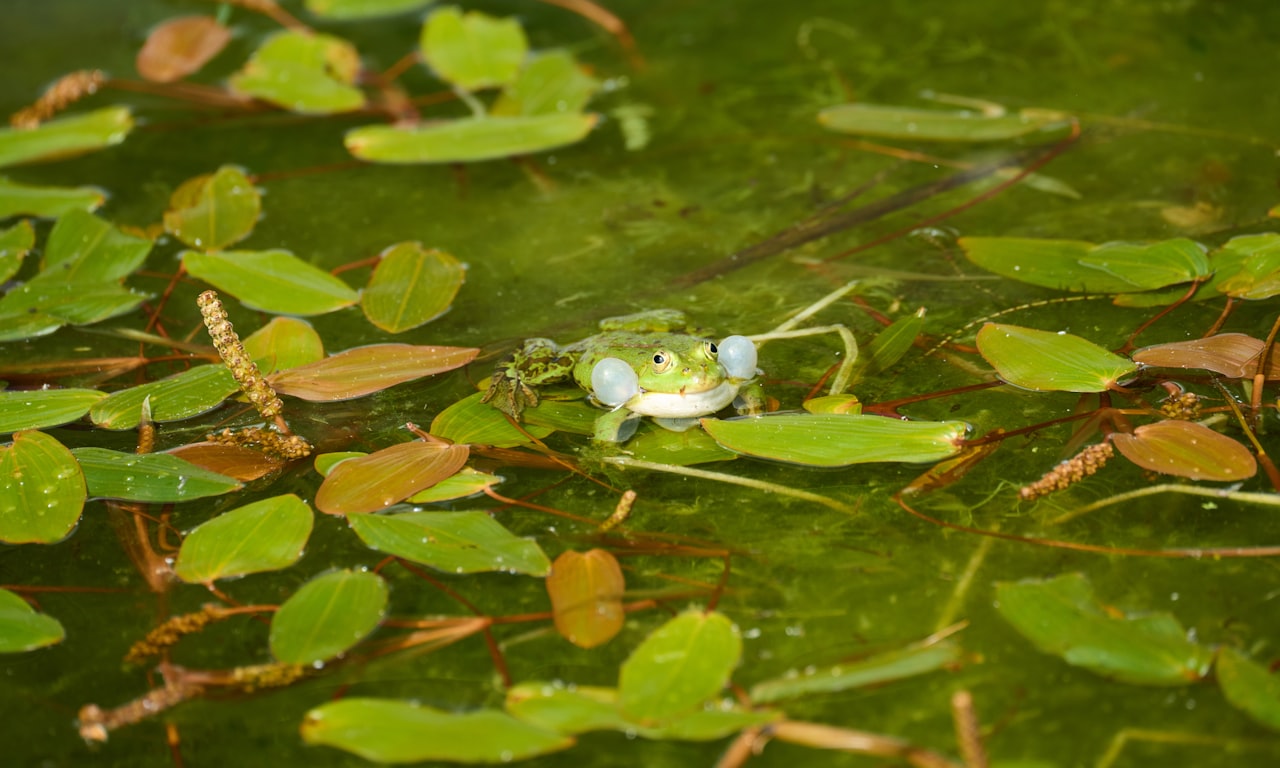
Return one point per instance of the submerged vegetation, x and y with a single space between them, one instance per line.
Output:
910 510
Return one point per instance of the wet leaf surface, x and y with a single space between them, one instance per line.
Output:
548 83
377 481
411 286
586 590
180 396
365 370
179 47
327 616
464 483
307 73
1077 265
468 140
283 343
42 491
452 542
22 629
473 50
693 446
1186 449
266 535
15 242
272 281
679 666
1249 686
897 664
243 464
1050 362
1231 354
471 422
44 408
213 211
837 440
46 202
152 477
65 136
1249 266
936 124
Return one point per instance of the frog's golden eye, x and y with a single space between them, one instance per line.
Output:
662 361
710 348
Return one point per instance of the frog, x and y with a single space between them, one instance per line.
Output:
652 363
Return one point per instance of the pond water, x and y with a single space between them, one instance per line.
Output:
709 145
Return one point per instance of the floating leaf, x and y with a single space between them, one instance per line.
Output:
283 343
898 664
180 396
474 50
179 47
365 370
1062 617
46 202
937 124
304 72
586 591
1076 265
266 535
15 242
692 446
1050 362
381 479
893 342
679 666
235 461
83 248
45 302
471 422
325 462
549 83
16 325
151 477
42 491
840 404
65 136
272 281
836 440
327 616
22 629
1249 686
573 415
388 731
1150 266
468 140
213 211
362 9
453 542
1234 355
1186 449
44 408
411 286
1249 266
460 485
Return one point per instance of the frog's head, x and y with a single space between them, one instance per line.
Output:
682 377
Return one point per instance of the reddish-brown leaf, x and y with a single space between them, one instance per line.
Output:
244 464
365 370
377 481
1186 449
179 47
586 596
1230 354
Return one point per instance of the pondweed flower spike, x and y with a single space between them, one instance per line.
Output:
1073 470
64 92
237 360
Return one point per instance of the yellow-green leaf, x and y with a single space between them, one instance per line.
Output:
22 629
473 50
65 136
210 212
46 202
467 140
36 409
837 440
42 490
679 666
328 615
266 535
452 542
272 281
411 286
1050 362
303 72
919 124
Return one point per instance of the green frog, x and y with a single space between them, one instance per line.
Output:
647 364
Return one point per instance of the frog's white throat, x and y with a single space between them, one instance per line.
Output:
683 406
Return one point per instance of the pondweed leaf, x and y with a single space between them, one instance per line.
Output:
213 211
1249 686
471 422
472 50
549 83
179 47
41 408
692 446
1077 265
452 542
65 136
15 243
364 370
377 481
22 629
586 590
272 281
83 248
837 440
303 72
1234 355
362 9
1186 449
1249 266
898 664
462 484
266 535
1061 616
180 396
46 202
42 490
150 477
1050 362
327 616
235 461
893 342
919 124
411 286
468 140
284 343
679 666
387 731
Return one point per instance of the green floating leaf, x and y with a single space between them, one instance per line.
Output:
468 140
83 248
1186 449
1249 266
1150 266
65 136
75 303
937 124
837 440
44 408
266 535
364 370
547 84
1077 265
1250 687
574 416
42 491
1062 617
180 396
327 616
462 484
1050 362
15 243
453 542
692 446
325 462
411 286
22 629
898 664
284 343
272 281
46 202
303 72
211 212
679 666
377 481
150 477
388 731
893 342
471 422
474 50
362 9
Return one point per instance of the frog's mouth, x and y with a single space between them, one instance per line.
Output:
686 405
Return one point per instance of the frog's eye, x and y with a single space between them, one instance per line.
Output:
738 356
613 382
662 361
710 349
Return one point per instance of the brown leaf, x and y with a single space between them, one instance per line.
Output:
1186 449
586 596
1230 354
236 461
376 481
365 370
179 47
